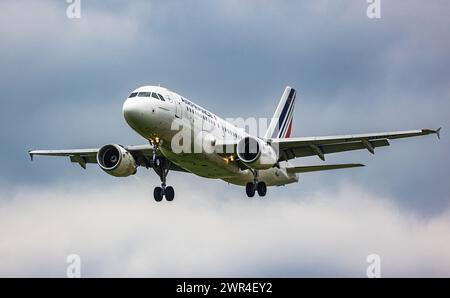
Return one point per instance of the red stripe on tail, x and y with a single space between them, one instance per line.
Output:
288 132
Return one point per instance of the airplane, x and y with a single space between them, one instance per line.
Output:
237 157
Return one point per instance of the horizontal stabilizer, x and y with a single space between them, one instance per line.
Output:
306 169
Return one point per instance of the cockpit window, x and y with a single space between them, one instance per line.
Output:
133 94
161 97
144 94
154 95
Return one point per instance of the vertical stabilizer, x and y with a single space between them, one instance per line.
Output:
281 124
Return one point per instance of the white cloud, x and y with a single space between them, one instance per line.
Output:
121 231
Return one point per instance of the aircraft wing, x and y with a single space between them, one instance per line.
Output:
141 153
309 146
306 169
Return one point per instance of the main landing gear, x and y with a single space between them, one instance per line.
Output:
161 166
252 187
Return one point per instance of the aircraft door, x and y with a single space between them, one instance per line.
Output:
176 100
178 108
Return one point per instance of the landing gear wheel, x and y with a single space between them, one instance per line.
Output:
250 189
261 188
158 194
169 193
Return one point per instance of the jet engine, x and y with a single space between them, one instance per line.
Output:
256 153
116 161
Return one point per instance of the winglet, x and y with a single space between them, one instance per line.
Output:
430 131
31 154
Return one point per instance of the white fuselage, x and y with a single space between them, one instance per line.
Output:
156 118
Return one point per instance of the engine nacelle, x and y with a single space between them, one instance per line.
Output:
116 161
256 153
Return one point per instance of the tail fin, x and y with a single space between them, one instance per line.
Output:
281 124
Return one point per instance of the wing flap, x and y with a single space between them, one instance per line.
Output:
304 151
83 160
306 169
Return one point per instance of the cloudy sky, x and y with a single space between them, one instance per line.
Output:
63 82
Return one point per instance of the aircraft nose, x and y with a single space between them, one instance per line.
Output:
133 110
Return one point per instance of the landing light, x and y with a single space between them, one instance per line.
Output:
155 140
229 159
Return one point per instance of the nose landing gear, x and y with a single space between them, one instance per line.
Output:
161 166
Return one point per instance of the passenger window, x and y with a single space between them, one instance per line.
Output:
133 94
161 97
